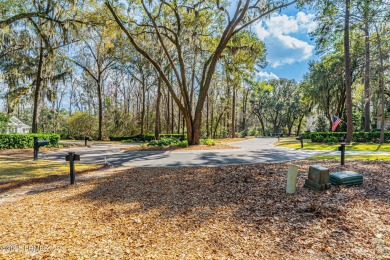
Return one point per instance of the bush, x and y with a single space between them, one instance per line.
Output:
168 142
331 137
174 136
82 124
20 141
209 142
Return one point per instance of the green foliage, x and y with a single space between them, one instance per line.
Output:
209 142
20 141
321 125
333 137
82 124
129 141
168 142
4 120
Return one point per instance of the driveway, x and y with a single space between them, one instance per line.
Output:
258 150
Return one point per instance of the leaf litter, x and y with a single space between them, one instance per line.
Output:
232 212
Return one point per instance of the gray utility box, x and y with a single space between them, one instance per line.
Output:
346 178
318 178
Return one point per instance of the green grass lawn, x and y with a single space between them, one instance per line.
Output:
22 169
308 145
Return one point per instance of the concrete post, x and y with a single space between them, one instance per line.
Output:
292 178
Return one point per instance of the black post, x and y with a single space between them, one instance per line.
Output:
342 149
36 148
86 140
71 163
301 138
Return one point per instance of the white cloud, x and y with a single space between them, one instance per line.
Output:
282 24
267 76
306 21
282 47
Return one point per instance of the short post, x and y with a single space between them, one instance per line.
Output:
300 138
292 179
86 140
71 157
342 150
36 148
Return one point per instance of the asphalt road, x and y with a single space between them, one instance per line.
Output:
258 150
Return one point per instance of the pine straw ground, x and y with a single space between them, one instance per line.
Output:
235 212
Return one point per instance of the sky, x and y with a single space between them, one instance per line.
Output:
288 44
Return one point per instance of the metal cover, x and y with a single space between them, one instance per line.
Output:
346 178
316 186
318 174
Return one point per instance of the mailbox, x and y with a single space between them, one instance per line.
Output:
38 144
42 143
76 157
71 157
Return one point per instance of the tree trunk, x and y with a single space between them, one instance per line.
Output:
100 103
38 87
262 125
348 102
244 108
367 121
299 125
167 112
172 119
157 124
143 107
233 131
179 118
382 89
207 117
218 121
147 112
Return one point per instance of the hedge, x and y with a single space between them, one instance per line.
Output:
20 141
366 137
147 137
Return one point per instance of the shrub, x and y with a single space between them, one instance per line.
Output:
366 137
331 139
82 124
20 141
129 141
208 142
168 142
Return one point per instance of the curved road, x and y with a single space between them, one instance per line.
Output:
258 150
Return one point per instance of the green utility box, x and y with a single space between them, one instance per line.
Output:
318 178
346 178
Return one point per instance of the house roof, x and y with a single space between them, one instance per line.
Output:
15 122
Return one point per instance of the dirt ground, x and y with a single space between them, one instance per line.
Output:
234 212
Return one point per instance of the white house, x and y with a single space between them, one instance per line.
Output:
15 126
